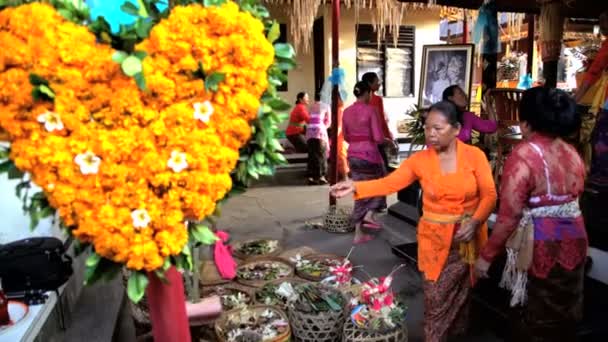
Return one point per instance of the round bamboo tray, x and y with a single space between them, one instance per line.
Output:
238 254
257 309
317 257
260 282
226 290
338 220
294 281
352 333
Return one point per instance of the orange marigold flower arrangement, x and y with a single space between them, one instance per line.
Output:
128 147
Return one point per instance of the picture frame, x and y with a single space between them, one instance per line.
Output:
443 66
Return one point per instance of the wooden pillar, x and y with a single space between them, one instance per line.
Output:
335 96
531 35
551 33
465 27
489 62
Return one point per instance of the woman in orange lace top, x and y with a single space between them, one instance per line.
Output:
458 196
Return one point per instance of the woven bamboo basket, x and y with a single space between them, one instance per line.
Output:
321 327
259 283
316 257
353 333
281 305
258 309
338 220
238 254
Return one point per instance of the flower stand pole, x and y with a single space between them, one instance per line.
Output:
167 306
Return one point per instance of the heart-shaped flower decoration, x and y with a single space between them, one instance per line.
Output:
127 160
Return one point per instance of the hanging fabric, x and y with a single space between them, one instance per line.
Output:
486 30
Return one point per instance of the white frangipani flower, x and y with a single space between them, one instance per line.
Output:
177 162
52 121
88 163
203 111
141 218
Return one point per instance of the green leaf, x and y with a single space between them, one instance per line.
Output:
4 152
46 91
140 54
279 105
5 166
266 170
93 260
212 81
136 286
279 158
259 157
143 27
130 8
67 14
203 234
140 80
209 3
275 32
34 219
119 56
14 172
166 264
37 80
47 211
284 50
131 66
188 256
276 145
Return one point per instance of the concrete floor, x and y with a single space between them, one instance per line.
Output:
283 212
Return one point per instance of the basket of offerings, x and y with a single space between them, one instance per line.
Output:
317 314
278 292
260 323
316 267
258 272
256 248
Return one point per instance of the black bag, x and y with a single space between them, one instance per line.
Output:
37 263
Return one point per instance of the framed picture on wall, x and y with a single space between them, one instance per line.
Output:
443 66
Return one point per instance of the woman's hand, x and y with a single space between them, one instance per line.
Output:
467 230
482 267
342 189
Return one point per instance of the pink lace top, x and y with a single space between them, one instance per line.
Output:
542 171
363 132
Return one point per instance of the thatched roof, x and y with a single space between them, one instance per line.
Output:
574 8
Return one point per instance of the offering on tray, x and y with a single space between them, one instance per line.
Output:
314 298
262 271
376 307
255 324
278 293
256 248
316 267
232 298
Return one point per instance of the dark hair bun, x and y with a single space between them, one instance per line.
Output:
549 111
361 88
449 111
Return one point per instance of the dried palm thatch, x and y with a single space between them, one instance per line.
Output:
387 16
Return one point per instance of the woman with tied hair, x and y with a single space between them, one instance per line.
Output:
539 221
363 132
469 120
458 196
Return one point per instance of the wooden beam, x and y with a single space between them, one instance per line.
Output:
530 44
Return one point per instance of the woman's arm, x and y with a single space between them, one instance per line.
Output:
515 189
481 125
397 180
487 188
327 120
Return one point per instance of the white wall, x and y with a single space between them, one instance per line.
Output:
14 225
427 23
